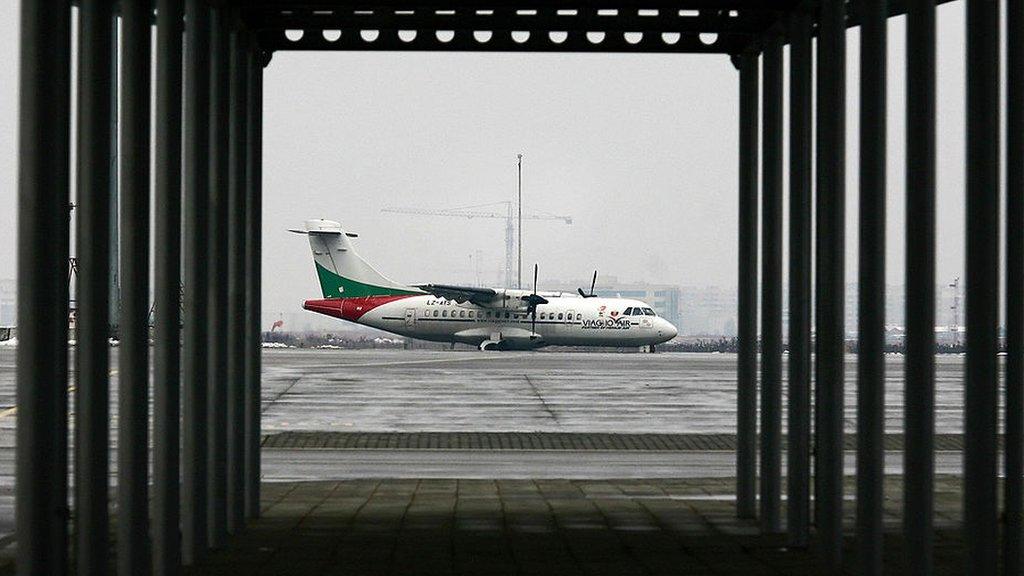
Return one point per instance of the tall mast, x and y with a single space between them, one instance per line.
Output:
519 283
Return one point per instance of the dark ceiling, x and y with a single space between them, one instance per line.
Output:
702 26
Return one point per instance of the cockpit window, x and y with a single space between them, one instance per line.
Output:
628 311
649 312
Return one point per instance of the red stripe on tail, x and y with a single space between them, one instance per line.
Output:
351 309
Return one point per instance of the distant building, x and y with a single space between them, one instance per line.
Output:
8 302
708 311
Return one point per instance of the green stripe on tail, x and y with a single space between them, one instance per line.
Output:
334 286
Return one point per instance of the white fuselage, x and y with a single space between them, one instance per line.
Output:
566 320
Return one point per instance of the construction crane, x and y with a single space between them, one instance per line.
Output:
481 211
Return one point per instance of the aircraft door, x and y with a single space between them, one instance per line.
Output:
569 327
410 317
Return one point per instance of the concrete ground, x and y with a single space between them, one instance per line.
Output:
535 527
599 463
421 391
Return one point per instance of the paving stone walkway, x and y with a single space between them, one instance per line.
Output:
527 527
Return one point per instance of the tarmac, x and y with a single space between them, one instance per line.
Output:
539 527
623 463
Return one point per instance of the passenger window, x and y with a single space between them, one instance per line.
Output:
470 313
579 316
444 313
560 315
462 313
435 313
649 312
507 315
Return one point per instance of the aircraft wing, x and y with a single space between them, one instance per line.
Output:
481 296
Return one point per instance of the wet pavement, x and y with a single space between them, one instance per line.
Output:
559 397
452 391
420 391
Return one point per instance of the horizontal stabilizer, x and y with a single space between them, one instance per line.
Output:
307 232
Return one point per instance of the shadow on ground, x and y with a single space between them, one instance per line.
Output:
526 527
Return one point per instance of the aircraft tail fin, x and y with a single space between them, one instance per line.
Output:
341 271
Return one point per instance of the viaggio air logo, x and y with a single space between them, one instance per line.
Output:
607 324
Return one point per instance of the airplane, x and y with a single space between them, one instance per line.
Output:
490 318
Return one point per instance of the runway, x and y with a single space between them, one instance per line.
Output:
538 392
418 391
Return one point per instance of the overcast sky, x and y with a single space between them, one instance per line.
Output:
639 149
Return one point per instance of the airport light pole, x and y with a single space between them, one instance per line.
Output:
519 281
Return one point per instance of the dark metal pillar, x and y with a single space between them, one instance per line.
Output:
60 249
133 353
919 389
196 202
236 335
92 394
167 290
798 453
982 377
217 289
771 290
746 369
43 173
871 287
1014 420
253 227
830 284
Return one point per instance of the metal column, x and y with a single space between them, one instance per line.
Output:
919 387
92 394
253 228
830 285
236 335
43 178
167 290
196 202
60 249
133 352
1014 420
982 376
746 369
871 287
217 288
771 290
798 453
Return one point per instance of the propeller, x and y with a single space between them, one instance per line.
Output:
534 300
592 284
